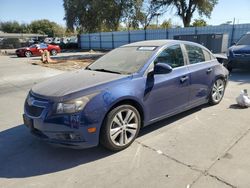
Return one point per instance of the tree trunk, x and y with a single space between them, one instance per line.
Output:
186 21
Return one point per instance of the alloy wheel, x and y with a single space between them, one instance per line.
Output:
218 90
124 126
28 54
53 52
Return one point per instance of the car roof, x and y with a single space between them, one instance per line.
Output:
159 43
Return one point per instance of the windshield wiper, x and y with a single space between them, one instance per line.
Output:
105 70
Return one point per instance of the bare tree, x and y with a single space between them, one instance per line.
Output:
186 8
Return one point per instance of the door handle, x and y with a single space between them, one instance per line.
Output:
209 70
184 78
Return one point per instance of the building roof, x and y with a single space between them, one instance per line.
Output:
20 35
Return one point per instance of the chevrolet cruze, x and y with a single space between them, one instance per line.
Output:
128 88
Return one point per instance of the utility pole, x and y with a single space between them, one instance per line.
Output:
232 36
157 15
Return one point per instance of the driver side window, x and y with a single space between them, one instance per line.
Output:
172 56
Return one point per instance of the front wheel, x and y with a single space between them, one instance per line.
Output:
120 128
53 52
217 92
28 54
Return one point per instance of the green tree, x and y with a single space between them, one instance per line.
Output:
47 27
140 13
152 26
14 27
186 8
167 24
132 15
199 23
93 16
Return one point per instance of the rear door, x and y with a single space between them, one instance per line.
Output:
201 68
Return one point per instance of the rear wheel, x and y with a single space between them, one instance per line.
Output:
28 54
229 67
120 128
217 92
53 52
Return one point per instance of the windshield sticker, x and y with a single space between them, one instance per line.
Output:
147 48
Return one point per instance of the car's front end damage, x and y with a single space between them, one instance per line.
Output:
76 129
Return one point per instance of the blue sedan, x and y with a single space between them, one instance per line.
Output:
130 87
239 54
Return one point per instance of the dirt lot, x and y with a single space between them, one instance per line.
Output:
70 62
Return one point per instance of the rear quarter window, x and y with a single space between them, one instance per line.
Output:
207 55
195 54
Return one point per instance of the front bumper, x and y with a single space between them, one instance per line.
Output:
69 130
19 53
65 137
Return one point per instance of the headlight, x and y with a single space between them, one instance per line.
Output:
73 106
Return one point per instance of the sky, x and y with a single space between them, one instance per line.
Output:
25 11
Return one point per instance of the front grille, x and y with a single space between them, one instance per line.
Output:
38 98
34 111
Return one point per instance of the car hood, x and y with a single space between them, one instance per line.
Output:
240 49
71 82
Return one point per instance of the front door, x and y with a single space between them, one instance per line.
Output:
168 93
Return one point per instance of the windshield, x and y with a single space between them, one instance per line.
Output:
124 60
244 40
33 46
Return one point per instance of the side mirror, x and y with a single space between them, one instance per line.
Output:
162 68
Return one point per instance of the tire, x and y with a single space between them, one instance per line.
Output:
53 52
27 54
217 91
120 128
230 69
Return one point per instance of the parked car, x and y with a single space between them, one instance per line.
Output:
239 54
33 50
48 40
128 88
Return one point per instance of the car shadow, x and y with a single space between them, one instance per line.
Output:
168 121
24 156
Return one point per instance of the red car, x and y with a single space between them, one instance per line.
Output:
33 50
